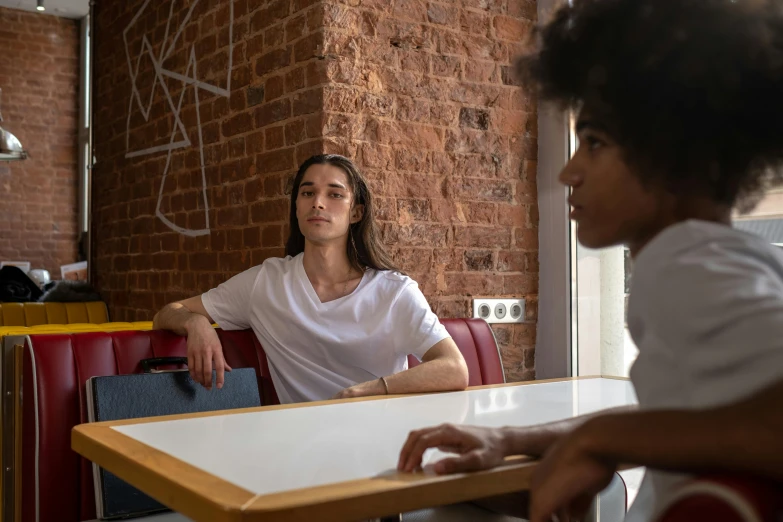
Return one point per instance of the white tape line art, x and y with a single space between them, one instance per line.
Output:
172 54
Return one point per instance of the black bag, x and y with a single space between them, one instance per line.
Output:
119 397
16 287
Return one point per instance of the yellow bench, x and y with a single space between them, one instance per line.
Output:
33 314
73 328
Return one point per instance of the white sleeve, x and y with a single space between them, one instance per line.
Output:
416 327
725 311
229 303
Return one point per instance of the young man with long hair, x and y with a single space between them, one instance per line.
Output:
335 318
680 123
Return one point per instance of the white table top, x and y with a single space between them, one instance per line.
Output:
278 450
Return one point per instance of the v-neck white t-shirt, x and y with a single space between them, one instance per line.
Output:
706 312
317 349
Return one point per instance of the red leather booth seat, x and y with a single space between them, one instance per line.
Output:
57 484
725 498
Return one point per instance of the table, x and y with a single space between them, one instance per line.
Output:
330 460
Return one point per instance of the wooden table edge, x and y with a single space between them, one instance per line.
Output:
152 471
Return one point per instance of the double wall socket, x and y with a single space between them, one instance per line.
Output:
499 310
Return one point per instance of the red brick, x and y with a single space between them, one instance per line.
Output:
481 72
412 259
412 160
526 238
300 5
511 261
239 124
276 161
269 211
520 284
526 9
493 6
339 125
475 22
418 63
295 132
468 140
474 284
316 73
410 210
479 260
295 28
271 235
442 14
452 308
308 47
273 112
295 80
412 185
482 236
450 66
307 149
417 234
512 215
514 29
273 11
462 189
412 10
274 88
341 100
336 16
272 61
275 137
308 102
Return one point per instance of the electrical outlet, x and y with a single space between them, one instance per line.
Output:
499 310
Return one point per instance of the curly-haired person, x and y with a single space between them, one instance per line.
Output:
680 124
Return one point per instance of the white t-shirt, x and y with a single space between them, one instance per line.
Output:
317 349
706 312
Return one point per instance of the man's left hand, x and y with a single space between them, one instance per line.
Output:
568 478
364 389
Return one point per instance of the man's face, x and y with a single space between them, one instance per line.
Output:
324 205
609 203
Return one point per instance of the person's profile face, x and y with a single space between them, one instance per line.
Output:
325 204
608 200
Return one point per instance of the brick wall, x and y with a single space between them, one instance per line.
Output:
422 95
418 93
39 76
251 142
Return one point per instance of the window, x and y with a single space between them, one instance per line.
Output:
600 283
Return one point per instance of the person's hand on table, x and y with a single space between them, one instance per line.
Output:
568 478
478 448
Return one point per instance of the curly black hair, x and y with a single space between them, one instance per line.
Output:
692 90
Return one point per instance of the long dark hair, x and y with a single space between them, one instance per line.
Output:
364 246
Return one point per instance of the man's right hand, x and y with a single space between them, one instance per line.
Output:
478 448
204 350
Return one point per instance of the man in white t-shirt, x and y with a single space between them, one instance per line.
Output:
335 318
680 119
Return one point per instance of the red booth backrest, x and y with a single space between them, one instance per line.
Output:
476 341
57 482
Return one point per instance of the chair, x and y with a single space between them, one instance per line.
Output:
725 498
